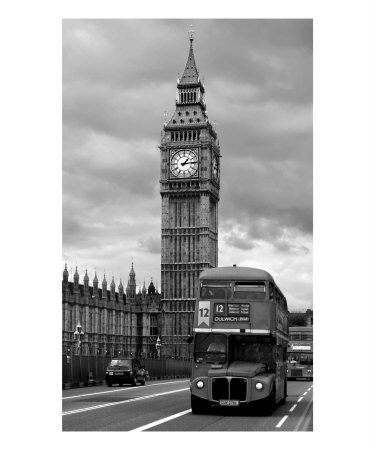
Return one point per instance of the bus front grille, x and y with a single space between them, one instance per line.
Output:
225 389
296 373
238 389
220 389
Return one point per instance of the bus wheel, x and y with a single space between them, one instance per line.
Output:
269 403
198 405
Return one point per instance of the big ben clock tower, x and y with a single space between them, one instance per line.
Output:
189 188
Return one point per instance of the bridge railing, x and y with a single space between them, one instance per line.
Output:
83 370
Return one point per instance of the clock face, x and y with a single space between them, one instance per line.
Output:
215 168
184 163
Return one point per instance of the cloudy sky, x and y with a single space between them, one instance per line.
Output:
119 77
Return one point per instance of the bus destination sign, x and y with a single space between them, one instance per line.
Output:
301 347
231 312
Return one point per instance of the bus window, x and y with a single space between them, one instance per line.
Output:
293 357
251 349
306 337
215 292
272 290
249 291
210 348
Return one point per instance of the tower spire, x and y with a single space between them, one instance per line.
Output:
190 75
191 34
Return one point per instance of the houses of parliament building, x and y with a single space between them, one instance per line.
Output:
124 321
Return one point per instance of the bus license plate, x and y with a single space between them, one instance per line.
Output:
229 402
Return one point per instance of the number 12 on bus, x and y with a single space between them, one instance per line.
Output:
240 340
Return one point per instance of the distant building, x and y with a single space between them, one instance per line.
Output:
301 319
113 323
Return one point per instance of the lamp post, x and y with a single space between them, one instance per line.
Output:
158 346
77 336
96 365
70 360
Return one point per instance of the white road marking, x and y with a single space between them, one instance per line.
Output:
293 407
304 393
303 423
301 398
158 422
105 405
281 421
122 389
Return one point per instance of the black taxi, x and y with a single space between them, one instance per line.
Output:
125 371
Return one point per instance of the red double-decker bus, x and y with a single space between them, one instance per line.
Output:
300 353
240 341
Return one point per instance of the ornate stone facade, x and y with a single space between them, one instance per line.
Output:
113 323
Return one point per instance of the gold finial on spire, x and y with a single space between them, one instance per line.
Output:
191 33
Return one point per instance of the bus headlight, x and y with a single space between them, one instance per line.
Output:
200 384
259 386
308 370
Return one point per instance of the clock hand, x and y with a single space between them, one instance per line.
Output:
183 163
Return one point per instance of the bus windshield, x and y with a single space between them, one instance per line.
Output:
257 349
214 348
305 359
210 348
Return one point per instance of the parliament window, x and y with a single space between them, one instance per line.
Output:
154 329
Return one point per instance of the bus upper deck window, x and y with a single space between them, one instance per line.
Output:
215 292
248 291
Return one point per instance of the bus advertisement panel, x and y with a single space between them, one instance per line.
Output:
240 340
300 353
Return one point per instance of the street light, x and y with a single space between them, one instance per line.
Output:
77 336
76 344
158 345
78 333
